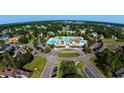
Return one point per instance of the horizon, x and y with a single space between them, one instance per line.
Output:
10 19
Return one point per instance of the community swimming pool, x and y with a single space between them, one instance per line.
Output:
53 41
68 40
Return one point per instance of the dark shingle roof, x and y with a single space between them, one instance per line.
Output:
120 71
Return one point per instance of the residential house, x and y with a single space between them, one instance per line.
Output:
120 73
13 40
16 73
94 34
3 37
114 37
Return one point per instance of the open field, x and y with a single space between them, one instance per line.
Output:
36 66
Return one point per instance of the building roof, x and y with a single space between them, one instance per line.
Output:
4 36
16 73
94 34
120 71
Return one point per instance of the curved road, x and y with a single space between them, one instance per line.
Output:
52 57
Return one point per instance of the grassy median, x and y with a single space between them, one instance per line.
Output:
68 54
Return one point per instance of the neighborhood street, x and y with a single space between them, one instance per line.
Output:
52 57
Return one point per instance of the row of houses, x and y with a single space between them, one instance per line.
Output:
13 40
3 37
15 73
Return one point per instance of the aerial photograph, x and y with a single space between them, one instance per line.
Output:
61 46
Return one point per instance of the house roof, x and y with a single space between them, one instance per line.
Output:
4 36
94 33
16 73
120 71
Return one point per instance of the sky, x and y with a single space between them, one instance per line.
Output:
5 19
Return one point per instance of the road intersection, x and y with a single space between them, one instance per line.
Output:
52 57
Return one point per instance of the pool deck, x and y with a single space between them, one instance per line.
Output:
69 41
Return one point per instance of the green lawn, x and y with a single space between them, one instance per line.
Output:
68 54
59 46
80 66
94 64
37 66
112 41
58 64
1 69
93 61
68 49
117 42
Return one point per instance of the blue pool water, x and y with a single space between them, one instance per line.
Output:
66 39
53 41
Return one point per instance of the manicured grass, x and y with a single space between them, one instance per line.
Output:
1 69
93 61
94 64
117 42
112 41
58 64
59 46
31 40
68 49
68 54
80 66
37 66
74 46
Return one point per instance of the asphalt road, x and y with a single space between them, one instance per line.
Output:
89 73
52 57
49 65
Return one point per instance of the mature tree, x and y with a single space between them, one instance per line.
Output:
8 60
22 59
23 40
52 46
36 33
47 49
69 70
1 43
35 42
109 62
87 49
68 67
